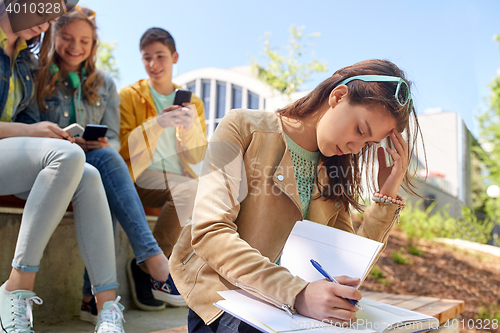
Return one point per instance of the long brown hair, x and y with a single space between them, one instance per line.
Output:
47 80
351 166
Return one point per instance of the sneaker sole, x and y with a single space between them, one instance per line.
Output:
88 317
170 299
134 293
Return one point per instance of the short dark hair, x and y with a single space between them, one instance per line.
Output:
157 35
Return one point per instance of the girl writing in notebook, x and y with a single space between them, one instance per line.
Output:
72 90
264 171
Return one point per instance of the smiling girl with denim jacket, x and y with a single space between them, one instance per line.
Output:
94 100
264 171
40 164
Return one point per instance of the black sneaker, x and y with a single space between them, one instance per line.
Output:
140 284
167 292
88 311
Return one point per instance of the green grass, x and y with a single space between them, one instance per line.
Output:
399 258
488 312
376 273
413 250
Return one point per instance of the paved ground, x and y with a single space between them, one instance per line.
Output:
136 322
471 246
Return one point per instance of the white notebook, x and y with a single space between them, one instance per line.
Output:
339 252
377 317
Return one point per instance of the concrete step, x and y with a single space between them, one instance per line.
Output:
137 321
59 280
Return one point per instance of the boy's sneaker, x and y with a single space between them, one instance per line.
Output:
16 310
167 292
110 318
140 284
88 311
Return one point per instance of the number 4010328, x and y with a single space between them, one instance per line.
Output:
481 324
34 7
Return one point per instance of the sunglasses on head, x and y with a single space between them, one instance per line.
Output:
402 94
84 10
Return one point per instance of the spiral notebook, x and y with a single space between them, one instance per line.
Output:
339 253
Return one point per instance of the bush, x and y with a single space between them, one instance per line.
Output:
413 250
399 258
417 223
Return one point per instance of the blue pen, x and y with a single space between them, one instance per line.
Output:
325 274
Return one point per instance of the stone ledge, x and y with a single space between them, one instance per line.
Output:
59 281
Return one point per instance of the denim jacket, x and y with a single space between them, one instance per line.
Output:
105 111
25 64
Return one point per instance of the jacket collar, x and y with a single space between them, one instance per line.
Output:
320 210
142 88
284 175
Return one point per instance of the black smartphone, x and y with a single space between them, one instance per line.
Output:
94 132
182 96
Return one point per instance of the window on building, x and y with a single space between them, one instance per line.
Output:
205 95
221 99
191 86
236 96
253 100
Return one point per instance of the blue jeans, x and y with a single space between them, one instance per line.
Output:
50 173
226 323
124 204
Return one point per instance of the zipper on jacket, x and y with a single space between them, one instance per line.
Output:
396 217
188 258
285 307
397 213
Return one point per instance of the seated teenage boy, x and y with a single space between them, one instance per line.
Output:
159 143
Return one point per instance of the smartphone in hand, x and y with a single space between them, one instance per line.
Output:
74 129
182 96
94 132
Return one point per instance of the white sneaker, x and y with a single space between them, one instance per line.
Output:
16 310
110 318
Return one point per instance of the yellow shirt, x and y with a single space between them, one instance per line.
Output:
16 88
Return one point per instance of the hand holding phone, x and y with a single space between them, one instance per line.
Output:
94 132
74 129
175 116
182 96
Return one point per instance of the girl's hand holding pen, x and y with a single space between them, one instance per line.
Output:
324 300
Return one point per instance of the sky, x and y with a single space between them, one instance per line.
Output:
445 47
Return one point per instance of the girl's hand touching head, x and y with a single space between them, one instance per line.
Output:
390 178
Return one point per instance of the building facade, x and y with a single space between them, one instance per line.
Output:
224 89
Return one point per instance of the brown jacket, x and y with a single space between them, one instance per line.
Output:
244 211
139 131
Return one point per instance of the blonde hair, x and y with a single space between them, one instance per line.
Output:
48 80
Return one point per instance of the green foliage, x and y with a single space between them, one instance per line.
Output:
287 73
413 250
420 224
489 125
488 312
106 60
399 258
376 273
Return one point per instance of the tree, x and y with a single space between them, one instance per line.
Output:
489 124
106 60
286 73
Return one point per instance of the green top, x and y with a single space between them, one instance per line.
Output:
305 165
16 88
165 157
